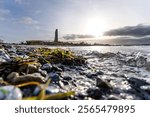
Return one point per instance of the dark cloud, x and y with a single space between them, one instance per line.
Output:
137 31
75 36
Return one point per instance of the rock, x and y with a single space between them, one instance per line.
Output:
113 97
137 82
146 88
94 93
10 93
11 76
91 75
64 82
102 84
47 67
29 68
54 76
51 89
55 68
4 57
98 72
43 72
15 79
68 78
32 69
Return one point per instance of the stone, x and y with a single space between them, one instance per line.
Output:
32 69
146 88
47 67
94 93
113 97
102 84
10 93
55 68
91 75
51 89
54 76
11 76
15 79
68 78
4 57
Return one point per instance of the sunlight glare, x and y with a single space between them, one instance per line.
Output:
95 27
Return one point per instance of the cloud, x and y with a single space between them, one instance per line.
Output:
136 31
3 14
19 1
28 21
74 36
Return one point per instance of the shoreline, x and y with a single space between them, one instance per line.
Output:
94 75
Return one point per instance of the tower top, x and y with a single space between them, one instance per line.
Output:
56 36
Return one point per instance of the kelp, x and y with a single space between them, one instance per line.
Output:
57 96
57 55
24 72
42 95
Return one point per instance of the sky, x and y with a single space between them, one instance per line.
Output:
22 20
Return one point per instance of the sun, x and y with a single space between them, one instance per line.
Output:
95 27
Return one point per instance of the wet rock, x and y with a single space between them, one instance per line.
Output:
54 76
51 89
43 72
98 72
113 97
14 78
137 82
146 88
91 75
29 68
63 83
47 67
55 68
68 78
12 75
103 84
32 69
10 93
94 93
4 57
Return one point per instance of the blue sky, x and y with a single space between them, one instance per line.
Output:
22 20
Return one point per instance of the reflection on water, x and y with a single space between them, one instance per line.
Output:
114 49
104 49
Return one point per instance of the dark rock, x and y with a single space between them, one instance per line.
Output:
113 97
68 78
91 75
99 72
47 67
94 93
15 79
55 68
54 76
102 84
65 82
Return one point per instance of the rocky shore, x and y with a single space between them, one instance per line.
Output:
29 73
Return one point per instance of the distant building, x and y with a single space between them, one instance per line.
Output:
56 36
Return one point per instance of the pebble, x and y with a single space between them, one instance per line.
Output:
54 76
10 93
51 89
91 75
102 84
68 78
94 93
47 67
14 78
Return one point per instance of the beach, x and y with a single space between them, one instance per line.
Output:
74 73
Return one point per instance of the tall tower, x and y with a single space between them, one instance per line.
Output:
56 36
